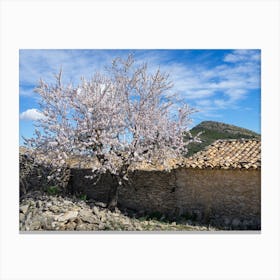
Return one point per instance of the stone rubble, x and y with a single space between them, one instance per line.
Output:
41 212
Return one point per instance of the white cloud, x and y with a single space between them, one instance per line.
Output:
220 87
36 64
232 58
220 103
31 114
242 55
198 94
236 94
204 102
26 92
210 88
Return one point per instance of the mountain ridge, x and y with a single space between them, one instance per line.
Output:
212 131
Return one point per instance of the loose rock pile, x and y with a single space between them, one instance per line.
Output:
41 212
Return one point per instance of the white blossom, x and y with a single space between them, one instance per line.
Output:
121 118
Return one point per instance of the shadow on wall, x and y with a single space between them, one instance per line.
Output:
216 196
230 198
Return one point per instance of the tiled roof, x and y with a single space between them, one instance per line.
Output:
228 154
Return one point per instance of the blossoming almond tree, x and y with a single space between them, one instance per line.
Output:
120 119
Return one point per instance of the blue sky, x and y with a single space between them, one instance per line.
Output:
224 85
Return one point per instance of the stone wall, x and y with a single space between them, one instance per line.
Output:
33 176
226 197
230 198
222 197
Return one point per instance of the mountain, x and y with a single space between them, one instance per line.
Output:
217 130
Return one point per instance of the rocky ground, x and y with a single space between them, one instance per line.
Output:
43 212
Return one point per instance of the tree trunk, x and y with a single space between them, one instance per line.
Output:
117 182
113 194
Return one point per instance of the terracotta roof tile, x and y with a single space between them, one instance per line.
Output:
228 154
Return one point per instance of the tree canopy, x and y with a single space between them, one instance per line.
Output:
121 117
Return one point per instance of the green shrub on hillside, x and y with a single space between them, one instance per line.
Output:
213 131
